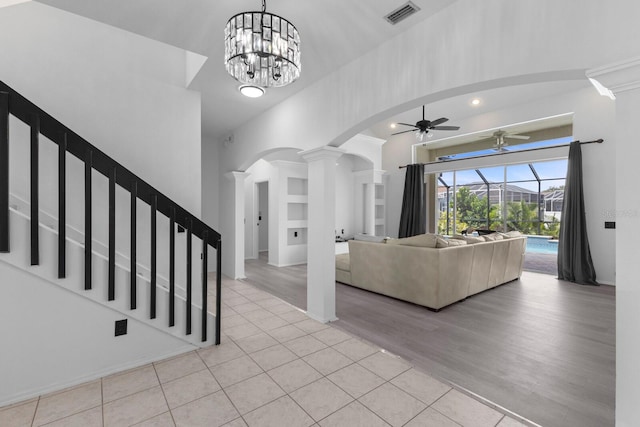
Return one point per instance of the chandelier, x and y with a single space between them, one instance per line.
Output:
262 49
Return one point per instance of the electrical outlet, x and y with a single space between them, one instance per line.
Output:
609 224
121 327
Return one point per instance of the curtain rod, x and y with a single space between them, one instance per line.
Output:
595 141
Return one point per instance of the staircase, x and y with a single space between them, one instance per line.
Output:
47 246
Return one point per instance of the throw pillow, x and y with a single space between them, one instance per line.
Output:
456 242
421 240
441 242
493 236
514 233
471 239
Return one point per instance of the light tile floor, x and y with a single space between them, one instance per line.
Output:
274 367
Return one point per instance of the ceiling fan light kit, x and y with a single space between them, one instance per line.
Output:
262 49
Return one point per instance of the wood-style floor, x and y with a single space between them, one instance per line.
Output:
542 348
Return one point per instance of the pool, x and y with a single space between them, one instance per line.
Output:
542 245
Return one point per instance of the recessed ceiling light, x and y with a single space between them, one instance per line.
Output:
251 91
392 125
475 102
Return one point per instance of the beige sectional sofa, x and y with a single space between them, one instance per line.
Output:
428 275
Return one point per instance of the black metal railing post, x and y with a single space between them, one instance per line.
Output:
189 267
62 207
34 193
218 291
172 266
112 235
205 245
88 236
4 172
152 304
133 251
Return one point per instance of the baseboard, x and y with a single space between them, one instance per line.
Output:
94 376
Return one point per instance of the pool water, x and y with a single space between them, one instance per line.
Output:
541 245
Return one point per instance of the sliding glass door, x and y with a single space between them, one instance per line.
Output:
525 197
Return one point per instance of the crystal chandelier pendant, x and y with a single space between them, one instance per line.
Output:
262 49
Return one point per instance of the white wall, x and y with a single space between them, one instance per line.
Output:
211 189
126 95
594 117
52 338
345 197
123 93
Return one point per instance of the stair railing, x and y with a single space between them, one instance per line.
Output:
41 123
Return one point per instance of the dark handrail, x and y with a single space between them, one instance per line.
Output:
21 108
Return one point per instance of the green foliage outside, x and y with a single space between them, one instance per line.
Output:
472 212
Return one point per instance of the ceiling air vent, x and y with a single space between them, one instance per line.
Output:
402 12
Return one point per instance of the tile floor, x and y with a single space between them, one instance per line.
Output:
274 367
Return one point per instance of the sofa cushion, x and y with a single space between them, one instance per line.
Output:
421 240
369 238
469 239
342 262
492 237
510 234
441 242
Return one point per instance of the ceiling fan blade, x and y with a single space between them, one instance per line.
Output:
407 124
517 136
404 131
438 121
445 127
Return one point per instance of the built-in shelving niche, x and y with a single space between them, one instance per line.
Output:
297 211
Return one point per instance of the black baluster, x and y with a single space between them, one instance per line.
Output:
35 209
62 206
204 284
133 251
112 235
88 252
154 208
4 172
218 290
189 296
172 266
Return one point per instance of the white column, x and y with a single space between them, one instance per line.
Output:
623 79
233 241
321 273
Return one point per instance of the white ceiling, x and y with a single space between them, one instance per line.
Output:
332 32
459 108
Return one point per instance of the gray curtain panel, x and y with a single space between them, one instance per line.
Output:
574 257
413 215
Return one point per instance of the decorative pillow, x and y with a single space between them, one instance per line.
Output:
458 237
443 242
514 233
469 239
456 242
421 240
493 236
369 238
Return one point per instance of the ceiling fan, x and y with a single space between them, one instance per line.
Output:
423 126
501 137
